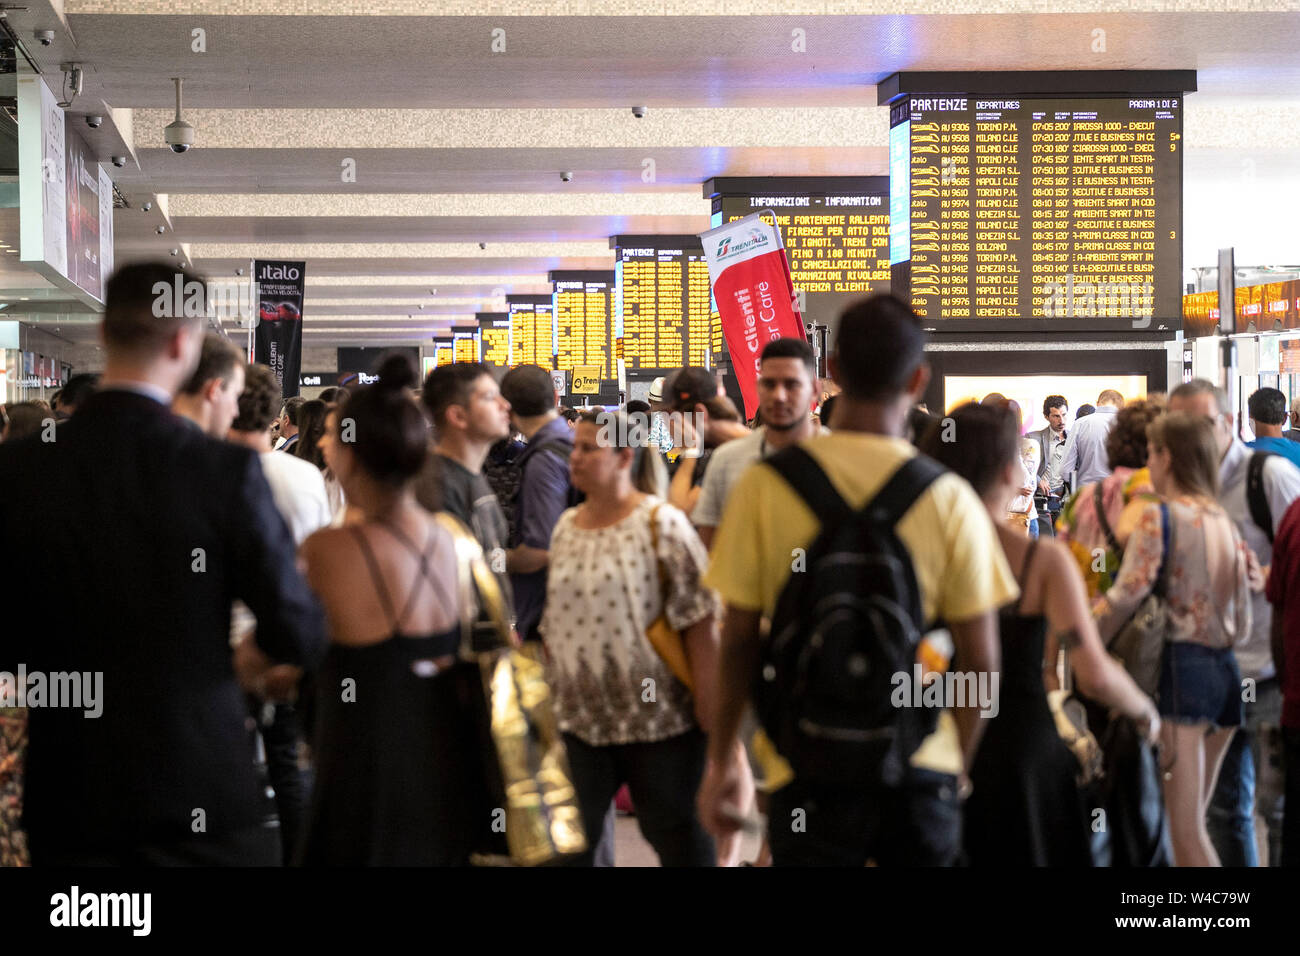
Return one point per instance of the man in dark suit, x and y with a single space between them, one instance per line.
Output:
129 536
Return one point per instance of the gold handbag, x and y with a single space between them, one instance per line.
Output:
543 822
666 641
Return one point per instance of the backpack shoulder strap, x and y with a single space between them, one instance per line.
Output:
802 473
1104 523
907 484
1256 498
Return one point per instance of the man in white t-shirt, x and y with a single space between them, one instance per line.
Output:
787 384
299 493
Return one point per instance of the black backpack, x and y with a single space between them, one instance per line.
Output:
843 627
1256 498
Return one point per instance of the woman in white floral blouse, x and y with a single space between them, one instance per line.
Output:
625 716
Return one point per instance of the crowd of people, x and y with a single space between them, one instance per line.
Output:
773 620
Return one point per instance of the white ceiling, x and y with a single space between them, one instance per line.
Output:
428 113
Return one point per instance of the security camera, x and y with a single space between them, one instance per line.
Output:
44 37
566 177
147 206
179 134
119 161
94 121
161 230
239 272
639 112
482 245
175 252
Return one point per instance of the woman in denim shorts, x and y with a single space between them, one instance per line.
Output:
1209 612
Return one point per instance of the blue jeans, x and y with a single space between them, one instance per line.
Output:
1231 815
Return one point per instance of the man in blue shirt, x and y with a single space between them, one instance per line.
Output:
1267 409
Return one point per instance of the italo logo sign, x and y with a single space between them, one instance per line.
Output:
727 247
278 272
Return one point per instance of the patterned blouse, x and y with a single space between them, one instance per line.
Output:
1123 495
602 593
1209 593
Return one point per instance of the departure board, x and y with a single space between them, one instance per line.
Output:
443 350
1010 208
835 230
532 331
583 312
663 310
465 345
494 337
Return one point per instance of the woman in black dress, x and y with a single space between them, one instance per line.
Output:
399 770
1025 808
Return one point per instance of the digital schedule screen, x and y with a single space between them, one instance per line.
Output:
584 306
835 231
1010 208
663 310
443 351
532 332
494 337
465 345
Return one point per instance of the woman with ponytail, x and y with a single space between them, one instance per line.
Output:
622 564
397 770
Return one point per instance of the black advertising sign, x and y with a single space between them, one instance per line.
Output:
278 338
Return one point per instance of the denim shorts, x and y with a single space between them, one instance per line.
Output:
1199 684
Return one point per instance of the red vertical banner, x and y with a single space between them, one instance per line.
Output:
754 293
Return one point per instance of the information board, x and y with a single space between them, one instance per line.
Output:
532 330
835 230
494 337
443 350
583 312
1012 208
464 345
663 309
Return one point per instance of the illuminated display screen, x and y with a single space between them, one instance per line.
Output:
494 337
1039 207
583 312
443 351
465 346
835 231
663 302
532 332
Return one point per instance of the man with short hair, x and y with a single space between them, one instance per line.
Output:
1051 446
544 487
289 423
1267 409
961 575
77 390
787 383
210 399
1248 778
299 492
156 529
1085 447
469 416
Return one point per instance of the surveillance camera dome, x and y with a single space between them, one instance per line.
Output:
94 121
239 272
179 136
147 206
482 245
44 37
639 112
566 177
119 161
161 230
175 252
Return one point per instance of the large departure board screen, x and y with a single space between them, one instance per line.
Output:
583 312
835 231
494 337
532 330
663 310
443 350
1013 208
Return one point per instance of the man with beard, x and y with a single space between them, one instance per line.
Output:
787 382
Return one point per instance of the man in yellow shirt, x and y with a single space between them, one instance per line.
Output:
962 577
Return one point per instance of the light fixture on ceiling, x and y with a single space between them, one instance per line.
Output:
179 134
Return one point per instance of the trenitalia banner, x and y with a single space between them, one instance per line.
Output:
754 294
277 341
